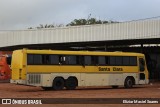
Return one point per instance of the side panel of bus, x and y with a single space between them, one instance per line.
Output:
87 75
84 79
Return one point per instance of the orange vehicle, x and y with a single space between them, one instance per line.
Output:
5 61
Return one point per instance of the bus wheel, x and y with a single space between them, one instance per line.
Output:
128 82
115 86
58 83
71 83
46 88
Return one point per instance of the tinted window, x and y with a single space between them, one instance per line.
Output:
30 59
107 60
119 60
87 60
126 60
80 60
71 60
123 60
54 59
133 60
101 60
141 64
46 59
94 60
62 59
34 59
37 59
112 60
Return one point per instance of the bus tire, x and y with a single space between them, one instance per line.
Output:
128 83
58 83
71 83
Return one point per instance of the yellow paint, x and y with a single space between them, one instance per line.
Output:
76 69
20 69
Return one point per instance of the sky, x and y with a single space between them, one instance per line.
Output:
22 14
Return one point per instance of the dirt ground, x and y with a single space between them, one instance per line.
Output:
152 90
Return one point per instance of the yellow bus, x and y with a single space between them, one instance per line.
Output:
54 69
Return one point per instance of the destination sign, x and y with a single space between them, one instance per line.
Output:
110 69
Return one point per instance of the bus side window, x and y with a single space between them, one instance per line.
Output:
34 59
37 59
54 59
46 59
30 59
119 60
80 60
71 60
62 59
112 60
94 60
126 61
107 60
101 60
87 60
133 60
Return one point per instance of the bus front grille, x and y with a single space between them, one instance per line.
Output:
34 78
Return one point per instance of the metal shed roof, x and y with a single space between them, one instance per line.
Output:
142 29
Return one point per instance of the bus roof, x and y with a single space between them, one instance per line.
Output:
80 52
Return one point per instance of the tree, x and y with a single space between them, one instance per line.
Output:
41 26
76 22
45 26
90 21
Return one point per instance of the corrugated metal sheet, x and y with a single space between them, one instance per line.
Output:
118 31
